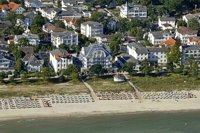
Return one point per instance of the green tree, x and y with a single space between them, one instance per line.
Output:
64 46
36 29
23 42
145 67
46 73
60 24
12 17
173 5
181 23
59 3
194 24
175 54
74 76
38 20
2 76
114 47
193 68
96 69
24 76
70 69
128 67
18 65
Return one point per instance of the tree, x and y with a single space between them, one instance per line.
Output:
64 46
74 76
145 67
181 23
114 47
59 3
128 67
46 73
194 24
98 16
23 76
12 17
23 42
194 68
18 65
38 20
175 54
36 29
96 69
70 69
60 24
2 2
173 5
2 76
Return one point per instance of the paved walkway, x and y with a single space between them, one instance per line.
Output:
94 96
137 92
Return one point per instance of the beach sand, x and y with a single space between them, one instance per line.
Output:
104 107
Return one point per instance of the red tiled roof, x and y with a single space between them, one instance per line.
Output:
195 39
13 6
170 42
4 7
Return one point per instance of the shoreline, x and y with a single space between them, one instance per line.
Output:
104 107
83 115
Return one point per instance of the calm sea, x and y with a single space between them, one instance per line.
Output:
179 122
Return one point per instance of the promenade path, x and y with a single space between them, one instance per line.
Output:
137 92
94 96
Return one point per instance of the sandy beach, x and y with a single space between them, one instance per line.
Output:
103 107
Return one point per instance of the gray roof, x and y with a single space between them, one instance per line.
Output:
133 7
70 12
163 49
159 34
94 47
91 23
138 48
192 47
167 18
189 16
73 1
30 15
127 58
58 51
64 33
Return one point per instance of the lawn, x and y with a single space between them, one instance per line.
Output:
107 84
165 83
41 88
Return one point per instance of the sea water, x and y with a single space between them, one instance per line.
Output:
171 122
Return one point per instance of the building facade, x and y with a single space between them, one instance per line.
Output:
130 10
91 29
96 54
69 38
60 59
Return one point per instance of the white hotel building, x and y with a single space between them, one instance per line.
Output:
129 10
91 29
60 59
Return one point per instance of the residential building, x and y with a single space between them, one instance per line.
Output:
103 39
32 38
69 13
184 33
130 10
156 37
193 41
71 22
158 55
7 63
32 63
91 28
17 8
50 28
190 16
69 38
96 54
188 52
140 53
32 3
60 59
124 58
168 43
167 23
49 13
